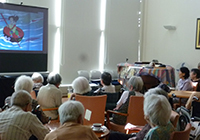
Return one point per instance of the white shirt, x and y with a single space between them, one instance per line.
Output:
16 124
124 97
50 96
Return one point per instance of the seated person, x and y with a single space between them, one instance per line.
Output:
135 84
157 111
25 83
195 78
160 90
106 80
184 83
81 86
17 123
50 96
71 118
38 81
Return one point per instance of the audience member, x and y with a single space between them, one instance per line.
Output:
50 96
160 90
184 83
24 82
38 81
157 111
17 123
135 85
106 82
195 77
81 86
71 118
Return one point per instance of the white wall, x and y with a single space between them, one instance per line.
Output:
170 47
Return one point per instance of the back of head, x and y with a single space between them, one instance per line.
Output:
157 109
37 77
106 78
70 110
21 98
23 82
54 78
186 71
81 85
196 71
135 82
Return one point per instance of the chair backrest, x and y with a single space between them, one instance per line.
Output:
150 81
52 109
112 99
182 135
135 111
94 108
174 118
84 73
95 75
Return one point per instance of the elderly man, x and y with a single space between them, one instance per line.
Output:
71 118
17 122
50 96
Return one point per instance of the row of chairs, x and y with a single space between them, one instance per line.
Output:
95 75
135 115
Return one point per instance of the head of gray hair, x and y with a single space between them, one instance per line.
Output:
157 91
157 109
24 82
70 111
37 77
54 78
81 85
135 82
21 98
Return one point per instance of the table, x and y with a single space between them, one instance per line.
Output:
54 124
164 74
182 94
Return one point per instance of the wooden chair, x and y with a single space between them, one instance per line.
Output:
51 109
174 118
182 135
135 114
94 105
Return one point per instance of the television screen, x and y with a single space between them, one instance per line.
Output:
23 38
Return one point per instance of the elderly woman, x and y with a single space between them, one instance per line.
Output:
24 82
71 117
157 111
81 86
50 96
135 85
37 80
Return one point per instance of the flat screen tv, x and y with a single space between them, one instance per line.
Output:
23 38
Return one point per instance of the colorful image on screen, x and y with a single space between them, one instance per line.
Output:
21 31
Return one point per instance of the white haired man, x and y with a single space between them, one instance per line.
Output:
17 122
71 118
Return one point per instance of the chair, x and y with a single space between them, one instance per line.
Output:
195 111
135 114
94 108
84 73
174 118
149 80
51 109
182 135
95 76
112 99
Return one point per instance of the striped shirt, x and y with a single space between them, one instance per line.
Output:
16 124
